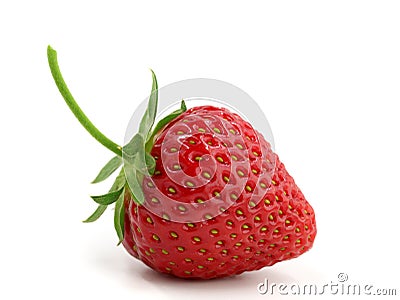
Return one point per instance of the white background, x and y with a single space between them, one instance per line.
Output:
326 74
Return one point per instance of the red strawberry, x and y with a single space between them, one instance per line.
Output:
201 194
256 231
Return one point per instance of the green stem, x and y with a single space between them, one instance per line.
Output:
76 110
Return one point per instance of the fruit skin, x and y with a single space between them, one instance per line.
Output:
267 223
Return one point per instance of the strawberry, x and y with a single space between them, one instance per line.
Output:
200 194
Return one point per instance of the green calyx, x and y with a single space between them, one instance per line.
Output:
134 156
